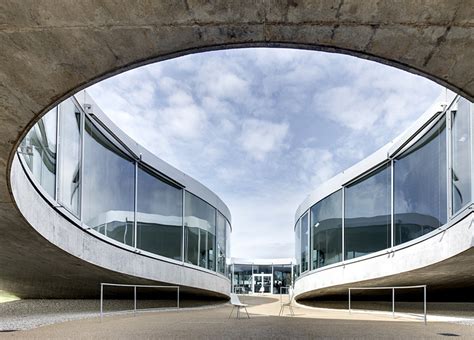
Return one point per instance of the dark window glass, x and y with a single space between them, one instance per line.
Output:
242 278
159 216
281 279
367 215
69 155
200 232
39 151
326 224
220 228
109 181
304 243
262 269
420 186
461 146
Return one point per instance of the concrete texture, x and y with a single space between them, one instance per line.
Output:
52 49
264 324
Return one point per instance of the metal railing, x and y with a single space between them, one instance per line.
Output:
393 296
102 285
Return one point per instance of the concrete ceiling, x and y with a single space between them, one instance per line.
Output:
51 49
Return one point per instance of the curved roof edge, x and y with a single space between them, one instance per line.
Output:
190 184
385 153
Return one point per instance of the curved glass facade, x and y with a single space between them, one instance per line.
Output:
89 172
414 191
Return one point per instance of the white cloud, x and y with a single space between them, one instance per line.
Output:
260 137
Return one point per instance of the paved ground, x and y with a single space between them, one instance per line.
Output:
213 323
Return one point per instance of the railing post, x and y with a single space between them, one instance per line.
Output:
101 299
393 303
135 300
349 300
424 302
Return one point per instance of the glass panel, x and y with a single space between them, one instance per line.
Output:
461 145
262 269
304 243
228 232
281 278
201 216
220 227
420 186
159 216
368 214
39 151
326 222
242 278
298 248
69 155
109 181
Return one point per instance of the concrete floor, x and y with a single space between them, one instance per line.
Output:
264 324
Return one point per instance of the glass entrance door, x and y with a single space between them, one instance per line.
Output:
261 283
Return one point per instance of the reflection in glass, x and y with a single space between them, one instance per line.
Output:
159 216
281 278
109 183
69 155
304 243
39 151
200 232
461 156
242 278
420 186
326 224
227 247
220 242
297 248
367 215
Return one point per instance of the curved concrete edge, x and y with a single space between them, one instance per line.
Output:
443 260
85 260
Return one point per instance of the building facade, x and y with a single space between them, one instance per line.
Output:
359 227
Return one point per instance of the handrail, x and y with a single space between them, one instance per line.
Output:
134 295
393 296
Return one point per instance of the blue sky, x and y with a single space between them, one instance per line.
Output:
263 127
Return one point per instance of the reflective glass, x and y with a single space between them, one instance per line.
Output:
304 243
69 155
298 248
220 229
281 278
242 278
228 232
461 155
420 201
262 269
39 151
367 214
200 232
326 224
159 216
109 182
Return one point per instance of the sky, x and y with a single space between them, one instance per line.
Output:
262 127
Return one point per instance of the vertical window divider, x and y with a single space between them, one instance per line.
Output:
392 204
182 225
310 251
343 246
135 208
56 180
81 159
449 160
